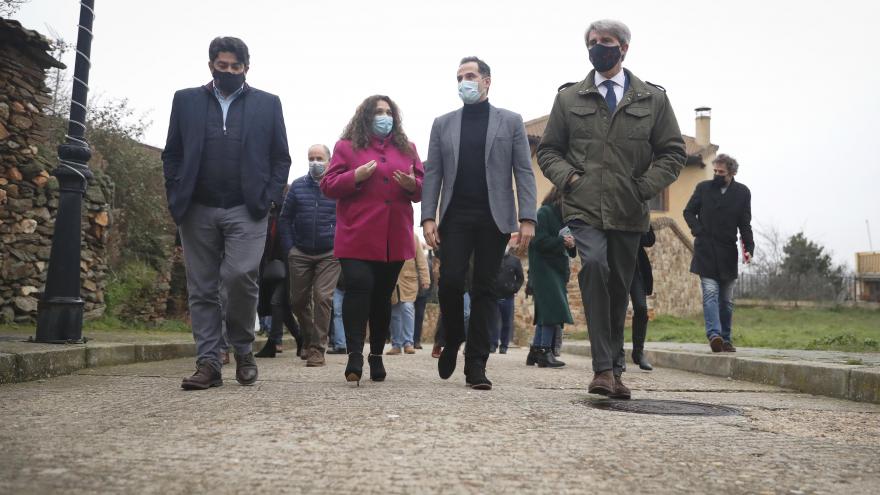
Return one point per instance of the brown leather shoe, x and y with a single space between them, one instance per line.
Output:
393 351
224 357
620 390
204 378
409 349
716 343
728 347
435 351
245 368
602 384
315 358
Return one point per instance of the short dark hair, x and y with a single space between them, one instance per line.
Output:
483 67
728 161
231 45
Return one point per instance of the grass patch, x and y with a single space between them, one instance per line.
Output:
837 329
108 323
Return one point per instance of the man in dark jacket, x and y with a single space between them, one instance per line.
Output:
225 163
611 144
714 213
307 226
642 286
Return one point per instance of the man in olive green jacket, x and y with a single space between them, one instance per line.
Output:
612 143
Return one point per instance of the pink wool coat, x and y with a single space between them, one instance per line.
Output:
374 219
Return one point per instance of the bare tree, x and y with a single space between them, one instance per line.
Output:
9 7
58 80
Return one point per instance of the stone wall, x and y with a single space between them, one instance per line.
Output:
29 194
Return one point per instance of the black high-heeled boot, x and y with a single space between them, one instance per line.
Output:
545 358
377 368
355 367
639 358
531 359
268 350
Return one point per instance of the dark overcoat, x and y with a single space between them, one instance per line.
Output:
714 218
549 269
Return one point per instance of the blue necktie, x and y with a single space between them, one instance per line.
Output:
610 95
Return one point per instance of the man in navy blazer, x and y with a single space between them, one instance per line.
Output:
225 163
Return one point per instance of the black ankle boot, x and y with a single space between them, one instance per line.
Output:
446 363
531 358
355 367
546 359
476 379
640 359
377 368
268 350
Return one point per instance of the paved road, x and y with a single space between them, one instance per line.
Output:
130 429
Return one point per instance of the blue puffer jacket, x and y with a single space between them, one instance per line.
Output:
308 218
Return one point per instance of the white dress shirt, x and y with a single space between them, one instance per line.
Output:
619 80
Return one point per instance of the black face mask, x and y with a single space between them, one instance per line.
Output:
227 82
604 57
719 181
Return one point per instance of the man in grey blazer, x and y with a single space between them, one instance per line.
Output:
475 154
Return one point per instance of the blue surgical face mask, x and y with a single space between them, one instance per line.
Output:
316 169
382 125
469 92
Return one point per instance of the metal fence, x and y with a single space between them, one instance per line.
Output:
796 287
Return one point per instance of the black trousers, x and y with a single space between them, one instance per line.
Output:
465 233
640 312
608 261
368 288
421 302
282 315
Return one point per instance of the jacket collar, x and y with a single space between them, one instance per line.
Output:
637 90
210 87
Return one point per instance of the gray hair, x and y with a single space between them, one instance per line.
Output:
609 26
728 161
326 149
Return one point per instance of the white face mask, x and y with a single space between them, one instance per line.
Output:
469 92
316 169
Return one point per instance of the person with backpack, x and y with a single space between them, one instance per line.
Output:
510 279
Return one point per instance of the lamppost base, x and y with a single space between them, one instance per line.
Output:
60 320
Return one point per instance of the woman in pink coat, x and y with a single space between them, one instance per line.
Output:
375 175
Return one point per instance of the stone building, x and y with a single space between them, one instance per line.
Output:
28 193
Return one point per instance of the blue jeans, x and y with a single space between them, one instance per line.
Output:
403 324
718 307
337 339
502 324
545 335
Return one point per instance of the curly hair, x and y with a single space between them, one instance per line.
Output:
728 161
360 128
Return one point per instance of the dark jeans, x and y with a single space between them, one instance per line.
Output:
502 324
640 312
466 233
608 260
421 302
368 288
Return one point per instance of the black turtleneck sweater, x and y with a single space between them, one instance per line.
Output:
471 191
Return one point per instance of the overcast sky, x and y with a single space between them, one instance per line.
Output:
794 86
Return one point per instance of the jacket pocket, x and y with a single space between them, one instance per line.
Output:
582 121
638 122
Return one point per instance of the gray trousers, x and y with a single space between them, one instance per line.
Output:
222 246
608 260
313 279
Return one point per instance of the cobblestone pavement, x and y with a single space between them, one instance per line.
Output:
131 429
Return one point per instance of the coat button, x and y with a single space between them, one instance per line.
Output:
385 180
387 202
382 159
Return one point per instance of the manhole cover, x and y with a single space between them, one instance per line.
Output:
663 407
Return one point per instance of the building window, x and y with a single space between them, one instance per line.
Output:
660 202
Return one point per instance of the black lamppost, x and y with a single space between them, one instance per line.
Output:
60 314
